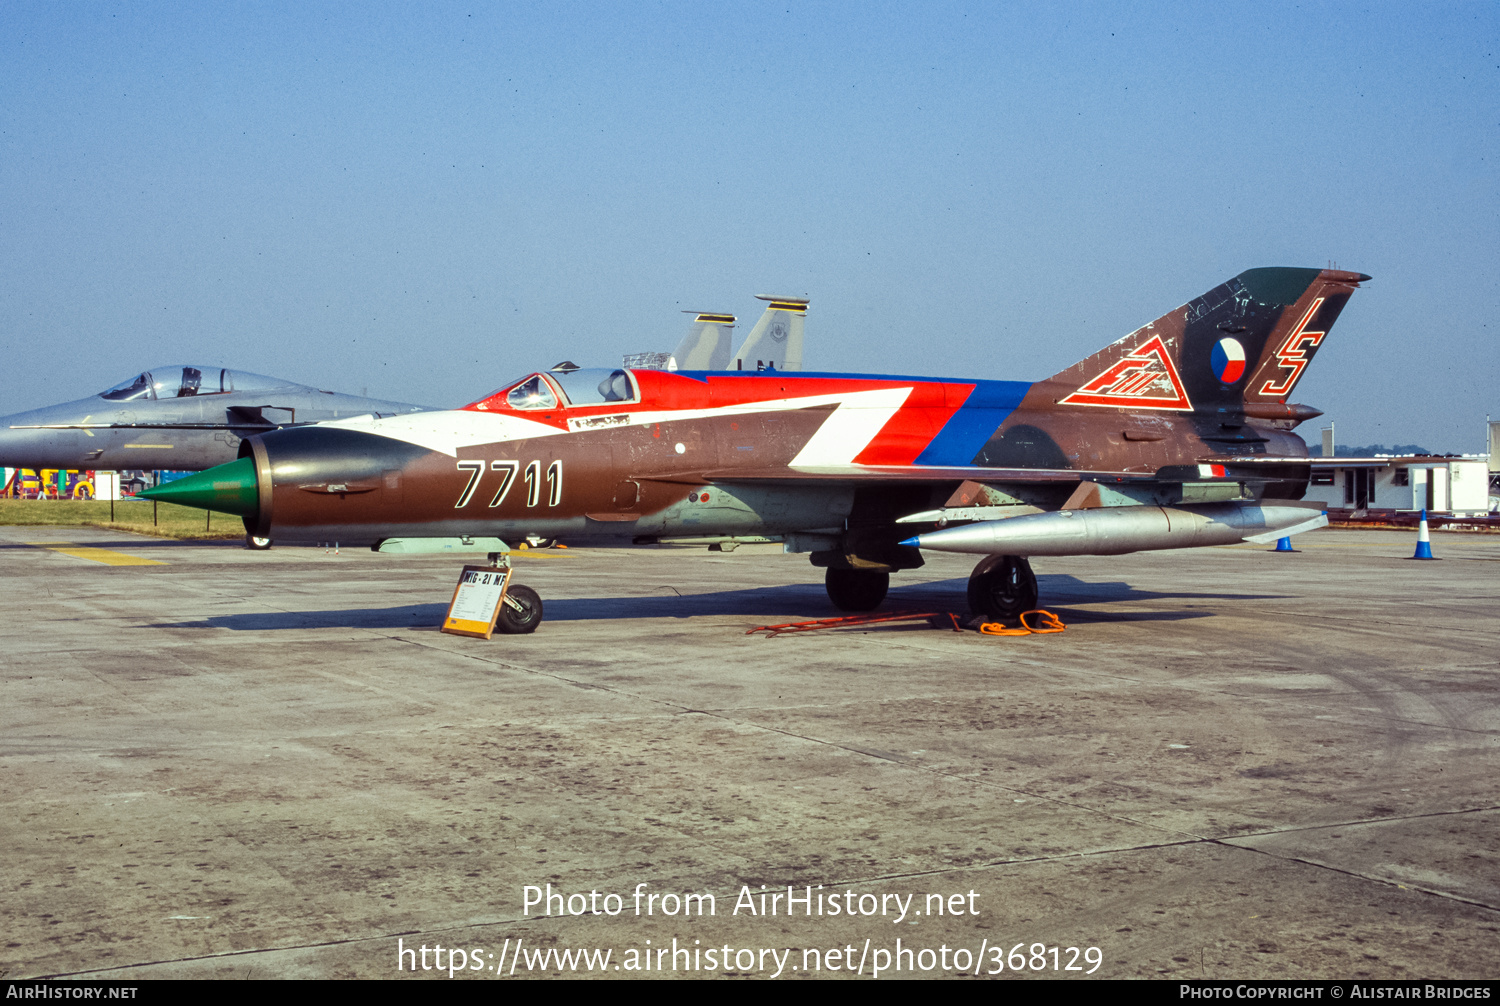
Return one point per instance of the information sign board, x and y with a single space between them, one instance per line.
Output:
476 601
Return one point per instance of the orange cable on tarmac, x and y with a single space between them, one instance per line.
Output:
1046 625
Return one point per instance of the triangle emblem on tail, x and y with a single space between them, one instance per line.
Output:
1146 378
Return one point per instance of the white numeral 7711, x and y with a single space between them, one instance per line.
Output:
508 471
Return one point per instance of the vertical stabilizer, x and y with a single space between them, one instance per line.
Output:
707 344
775 343
1299 332
1243 343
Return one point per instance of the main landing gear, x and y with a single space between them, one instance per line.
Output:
856 589
1002 587
257 544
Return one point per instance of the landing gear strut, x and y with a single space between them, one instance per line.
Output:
856 589
1002 587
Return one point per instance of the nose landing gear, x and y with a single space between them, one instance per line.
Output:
520 611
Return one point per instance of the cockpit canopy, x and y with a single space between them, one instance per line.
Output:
186 382
592 386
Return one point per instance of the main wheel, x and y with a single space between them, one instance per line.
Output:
856 589
520 611
257 544
1002 587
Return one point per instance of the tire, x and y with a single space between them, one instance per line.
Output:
520 611
856 590
257 544
1002 587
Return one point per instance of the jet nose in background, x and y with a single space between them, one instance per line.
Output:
27 442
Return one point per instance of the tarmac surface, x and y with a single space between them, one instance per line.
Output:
1233 764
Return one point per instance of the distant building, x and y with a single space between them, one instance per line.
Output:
1456 485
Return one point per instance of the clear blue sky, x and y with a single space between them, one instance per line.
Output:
425 200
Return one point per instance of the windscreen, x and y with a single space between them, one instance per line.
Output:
131 390
532 393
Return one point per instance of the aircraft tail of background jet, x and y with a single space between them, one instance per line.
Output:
775 343
1240 348
707 344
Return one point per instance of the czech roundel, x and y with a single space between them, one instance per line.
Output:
1229 361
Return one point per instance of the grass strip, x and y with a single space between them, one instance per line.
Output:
168 521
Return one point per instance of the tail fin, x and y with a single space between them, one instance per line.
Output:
1247 340
775 343
706 346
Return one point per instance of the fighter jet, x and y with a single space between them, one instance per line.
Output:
1177 435
179 417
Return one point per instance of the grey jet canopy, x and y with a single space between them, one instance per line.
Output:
182 381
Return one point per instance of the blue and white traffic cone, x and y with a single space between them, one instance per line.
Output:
1284 545
1424 543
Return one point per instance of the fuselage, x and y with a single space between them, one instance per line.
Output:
626 455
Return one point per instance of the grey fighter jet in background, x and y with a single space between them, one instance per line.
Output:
182 418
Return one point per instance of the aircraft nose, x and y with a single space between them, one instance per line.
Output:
24 446
231 488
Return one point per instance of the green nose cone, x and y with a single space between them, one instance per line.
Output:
231 488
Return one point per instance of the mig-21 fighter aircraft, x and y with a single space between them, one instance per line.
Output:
1179 434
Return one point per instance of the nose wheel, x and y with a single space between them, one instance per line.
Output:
1002 587
520 611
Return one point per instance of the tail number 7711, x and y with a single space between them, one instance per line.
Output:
508 471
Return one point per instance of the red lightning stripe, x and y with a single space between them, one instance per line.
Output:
1293 353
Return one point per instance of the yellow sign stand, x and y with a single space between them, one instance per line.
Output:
476 601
